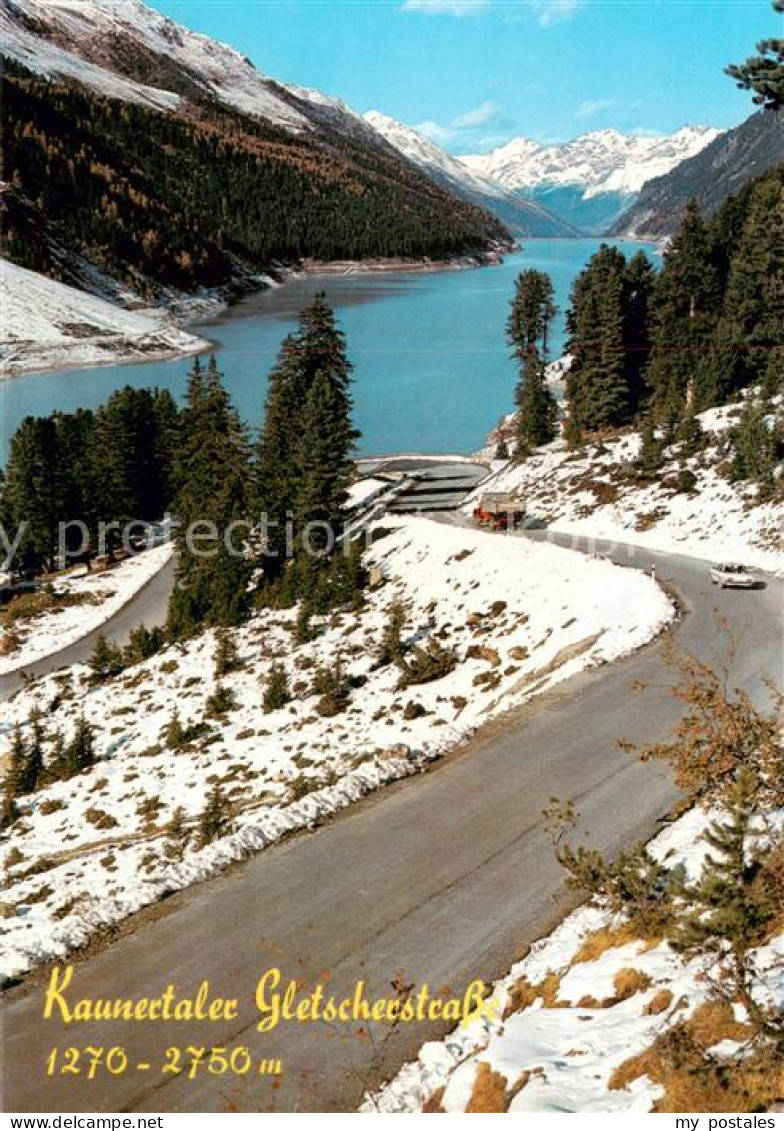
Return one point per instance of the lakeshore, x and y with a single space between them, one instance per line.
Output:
432 370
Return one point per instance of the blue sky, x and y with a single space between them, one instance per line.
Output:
474 73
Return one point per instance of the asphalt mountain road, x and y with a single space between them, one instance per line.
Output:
445 877
146 606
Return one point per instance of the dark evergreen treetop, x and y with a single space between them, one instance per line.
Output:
304 458
214 494
607 340
763 73
532 311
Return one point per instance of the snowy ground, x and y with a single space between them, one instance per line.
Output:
97 596
589 492
559 1053
48 325
519 615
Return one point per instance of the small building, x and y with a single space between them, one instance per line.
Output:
499 510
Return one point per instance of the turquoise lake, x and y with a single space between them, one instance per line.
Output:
431 365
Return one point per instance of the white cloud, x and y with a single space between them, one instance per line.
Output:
486 114
457 8
480 116
591 107
549 12
441 135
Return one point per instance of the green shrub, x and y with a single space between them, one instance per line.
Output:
221 701
176 735
686 481
214 819
106 660
276 690
226 655
428 663
142 644
334 689
393 648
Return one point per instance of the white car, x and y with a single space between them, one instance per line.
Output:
732 576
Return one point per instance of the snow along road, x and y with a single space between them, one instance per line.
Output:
147 606
444 877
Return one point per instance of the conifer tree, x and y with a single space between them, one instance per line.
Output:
332 686
393 647
730 905
17 776
220 701
639 283
34 766
691 434
772 383
276 690
527 332
124 432
26 768
608 397
754 303
347 577
143 643
304 456
756 445
80 752
214 818
213 473
323 469
607 304
175 734
226 655
651 455
106 660
275 471
763 73
34 491
303 628
9 810
427 663
75 445
687 302
177 835
59 763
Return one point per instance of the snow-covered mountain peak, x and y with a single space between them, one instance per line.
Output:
523 217
599 162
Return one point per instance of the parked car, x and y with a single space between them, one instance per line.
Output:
730 575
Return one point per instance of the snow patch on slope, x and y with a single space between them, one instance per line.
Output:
592 492
49 325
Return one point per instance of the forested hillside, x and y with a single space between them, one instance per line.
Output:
159 200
